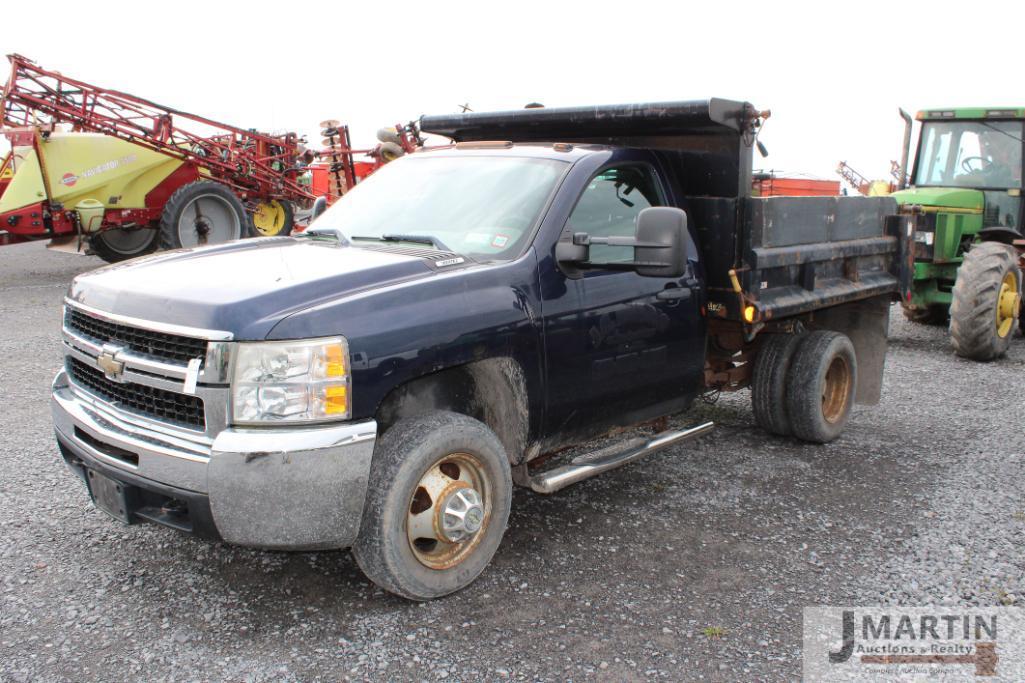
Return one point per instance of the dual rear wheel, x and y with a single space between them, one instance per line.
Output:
804 385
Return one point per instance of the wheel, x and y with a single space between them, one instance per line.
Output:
821 384
273 219
390 151
201 213
987 297
437 508
933 314
120 244
389 135
769 381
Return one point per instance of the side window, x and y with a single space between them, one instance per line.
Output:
609 206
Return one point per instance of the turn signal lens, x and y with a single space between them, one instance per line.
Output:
336 401
749 313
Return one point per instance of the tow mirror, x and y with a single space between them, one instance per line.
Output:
660 246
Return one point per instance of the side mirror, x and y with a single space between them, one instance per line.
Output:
661 249
319 207
660 245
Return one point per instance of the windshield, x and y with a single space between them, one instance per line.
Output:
981 154
484 207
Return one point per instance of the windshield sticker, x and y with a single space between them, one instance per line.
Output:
500 241
477 238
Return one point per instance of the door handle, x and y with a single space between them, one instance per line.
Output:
673 294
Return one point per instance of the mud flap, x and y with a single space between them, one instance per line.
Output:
866 323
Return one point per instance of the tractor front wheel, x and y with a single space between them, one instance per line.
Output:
987 299
202 213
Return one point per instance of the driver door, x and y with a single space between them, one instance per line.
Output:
618 349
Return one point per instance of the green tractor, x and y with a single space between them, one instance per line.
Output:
970 249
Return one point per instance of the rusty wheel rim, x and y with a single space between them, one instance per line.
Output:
1007 304
456 483
835 389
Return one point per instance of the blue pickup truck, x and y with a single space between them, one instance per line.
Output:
382 381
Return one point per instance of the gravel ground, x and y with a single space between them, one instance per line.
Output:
691 565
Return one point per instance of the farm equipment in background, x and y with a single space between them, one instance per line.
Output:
126 176
336 170
969 250
869 188
99 169
768 184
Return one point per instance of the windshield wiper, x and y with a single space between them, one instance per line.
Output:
416 239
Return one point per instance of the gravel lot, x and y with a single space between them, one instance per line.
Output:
621 577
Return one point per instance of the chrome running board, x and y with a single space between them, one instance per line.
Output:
593 464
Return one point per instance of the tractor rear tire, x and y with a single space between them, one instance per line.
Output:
183 222
983 310
769 382
120 244
821 386
933 314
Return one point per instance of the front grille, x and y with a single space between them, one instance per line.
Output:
167 406
160 345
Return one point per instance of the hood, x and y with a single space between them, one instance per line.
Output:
242 287
945 197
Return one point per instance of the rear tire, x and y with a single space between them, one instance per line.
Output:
274 218
769 382
121 244
933 314
985 304
418 465
200 214
821 386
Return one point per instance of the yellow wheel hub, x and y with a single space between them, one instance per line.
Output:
269 218
1007 304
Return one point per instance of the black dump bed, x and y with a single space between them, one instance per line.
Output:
785 255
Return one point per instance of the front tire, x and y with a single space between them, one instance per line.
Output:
986 302
821 385
438 506
200 214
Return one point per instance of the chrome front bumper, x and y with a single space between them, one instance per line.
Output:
283 488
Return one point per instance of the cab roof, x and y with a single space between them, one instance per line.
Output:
972 113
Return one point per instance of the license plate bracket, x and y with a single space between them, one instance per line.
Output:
109 496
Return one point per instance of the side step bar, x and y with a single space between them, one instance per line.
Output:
587 466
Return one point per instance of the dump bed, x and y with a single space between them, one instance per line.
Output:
793 255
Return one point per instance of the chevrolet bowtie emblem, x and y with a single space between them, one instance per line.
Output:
112 368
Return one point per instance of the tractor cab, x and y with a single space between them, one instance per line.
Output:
961 150
967 179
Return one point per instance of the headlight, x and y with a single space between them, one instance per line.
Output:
293 381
